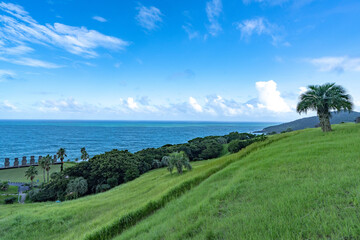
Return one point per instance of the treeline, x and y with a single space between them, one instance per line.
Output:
107 170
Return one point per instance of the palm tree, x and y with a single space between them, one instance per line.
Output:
323 99
47 161
84 154
42 164
31 172
61 154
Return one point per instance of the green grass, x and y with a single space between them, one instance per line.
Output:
18 174
306 186
86 216
10 190
9 193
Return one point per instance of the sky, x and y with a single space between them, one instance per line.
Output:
214 60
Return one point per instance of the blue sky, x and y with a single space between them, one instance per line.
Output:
222 60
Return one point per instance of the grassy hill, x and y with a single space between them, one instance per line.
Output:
306 186
298 185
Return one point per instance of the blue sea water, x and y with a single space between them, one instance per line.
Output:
41 137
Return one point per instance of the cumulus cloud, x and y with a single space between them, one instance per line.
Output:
336 64
18 29
149 17
270 98
99 19
259 26
302 90
213 11
195 105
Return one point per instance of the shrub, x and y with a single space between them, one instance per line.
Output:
77 187
102 188
112 181
131 173
179 160
9 200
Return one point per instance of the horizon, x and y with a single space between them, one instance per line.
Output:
211 60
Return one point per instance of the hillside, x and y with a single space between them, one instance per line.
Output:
298 185
311 122
306 186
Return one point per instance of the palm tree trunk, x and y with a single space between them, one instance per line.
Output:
44 175
48 175
325 123
62 165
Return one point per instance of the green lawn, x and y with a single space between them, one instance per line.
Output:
18 174
304 187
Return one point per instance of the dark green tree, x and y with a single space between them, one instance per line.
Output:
61 154
30 173
84 154
323 99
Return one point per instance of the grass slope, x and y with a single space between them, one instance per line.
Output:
306 186
87 217
18 174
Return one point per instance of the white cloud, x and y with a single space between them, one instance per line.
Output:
7 106
131 103
260 26
302 90
30 62
269 97
99 19
149 17
6 75
213 11
194 104
337 64
190 31
18 50
18 28
63 105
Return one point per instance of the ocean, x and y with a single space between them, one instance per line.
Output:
20 138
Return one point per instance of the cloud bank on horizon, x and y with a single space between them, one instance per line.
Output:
204 60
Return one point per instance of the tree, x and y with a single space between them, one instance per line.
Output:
179 160
42 164
31 172
323 99
61 154
84 154
47 163
77 187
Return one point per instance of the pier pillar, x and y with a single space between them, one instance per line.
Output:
16 162
32 160
7 162
24 161
357 120
55 158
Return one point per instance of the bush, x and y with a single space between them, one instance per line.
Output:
131 173
77 187
113 182
237 145
102 188
9 200
179 160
